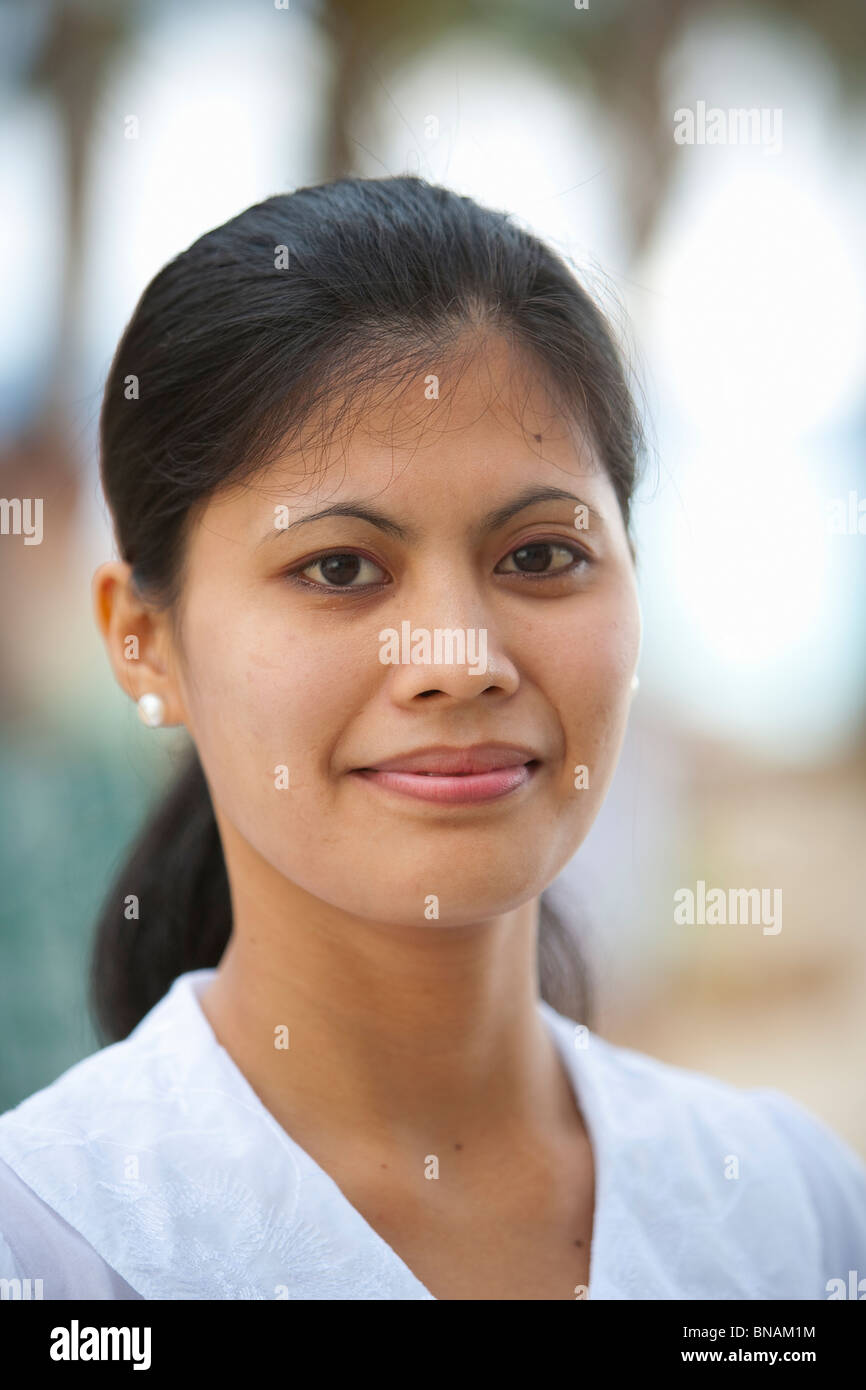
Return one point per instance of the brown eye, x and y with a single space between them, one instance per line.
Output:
337 570
534 559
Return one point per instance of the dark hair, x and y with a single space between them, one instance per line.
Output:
255 333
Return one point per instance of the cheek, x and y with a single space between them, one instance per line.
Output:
589 683
260 699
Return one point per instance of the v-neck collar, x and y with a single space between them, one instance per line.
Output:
566 1035
186 1151
568 1038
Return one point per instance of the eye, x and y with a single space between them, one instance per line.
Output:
536 556
339 568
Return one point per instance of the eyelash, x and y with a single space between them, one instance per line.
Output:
296 576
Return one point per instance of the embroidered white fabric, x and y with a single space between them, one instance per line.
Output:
152 1170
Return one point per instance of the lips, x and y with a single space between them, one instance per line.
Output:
443 761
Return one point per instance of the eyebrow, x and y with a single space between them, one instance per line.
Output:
490 522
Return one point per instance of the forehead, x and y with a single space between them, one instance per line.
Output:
453 437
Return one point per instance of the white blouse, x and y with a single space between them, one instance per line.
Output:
152 1170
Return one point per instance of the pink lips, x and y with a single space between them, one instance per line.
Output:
455 775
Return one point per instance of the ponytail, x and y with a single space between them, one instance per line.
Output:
175 884
564 977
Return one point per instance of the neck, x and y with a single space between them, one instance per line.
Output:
398 1035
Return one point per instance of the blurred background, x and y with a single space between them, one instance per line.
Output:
733 271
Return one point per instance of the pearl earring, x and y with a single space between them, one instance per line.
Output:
151 710
635 682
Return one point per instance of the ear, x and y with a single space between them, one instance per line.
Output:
137 637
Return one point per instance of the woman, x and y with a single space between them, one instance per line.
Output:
369 449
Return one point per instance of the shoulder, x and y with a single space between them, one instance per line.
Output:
73 1107
794 1174
707 1104
42 1256
73 1154
166 1047
157 1152
835 1177
749 1176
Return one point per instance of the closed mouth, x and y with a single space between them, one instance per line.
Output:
443 761
454 788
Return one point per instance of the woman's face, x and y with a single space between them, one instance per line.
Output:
284 691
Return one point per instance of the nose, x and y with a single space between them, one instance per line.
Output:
456 662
